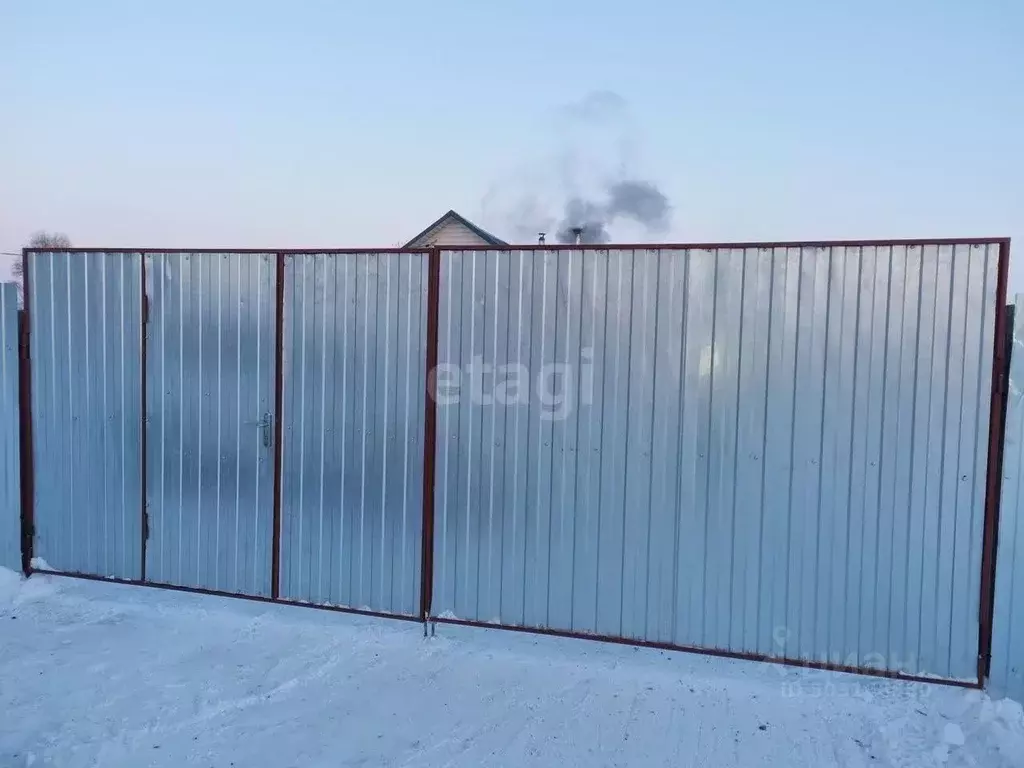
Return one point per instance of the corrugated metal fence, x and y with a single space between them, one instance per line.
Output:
210 362
10 442
773 451
1007 676
86 325
767 450
354 382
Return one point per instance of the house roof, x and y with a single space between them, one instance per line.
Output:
453 216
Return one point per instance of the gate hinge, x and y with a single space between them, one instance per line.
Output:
23 341
145 525
145 309
984 665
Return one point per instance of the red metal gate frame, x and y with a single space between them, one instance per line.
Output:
1000 361
993 480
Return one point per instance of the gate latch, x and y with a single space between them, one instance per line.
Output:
266 426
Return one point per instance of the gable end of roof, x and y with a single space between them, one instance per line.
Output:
456 217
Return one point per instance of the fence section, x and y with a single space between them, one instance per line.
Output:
10 450
85 342
775 451
1006 675
354 383
210 363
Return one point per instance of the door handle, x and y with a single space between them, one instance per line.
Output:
268 430
266 426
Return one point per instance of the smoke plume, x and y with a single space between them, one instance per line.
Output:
589 217
640 201
590 182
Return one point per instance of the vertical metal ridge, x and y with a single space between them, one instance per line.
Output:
164 395
431 403
859 437
236 284
144 413
764 437
364 430
600 443
220 447
74 436
198 268
527 474
515 466
303 328
815 618
677 499
942 442
322 460
654 399
181 414
792 442
891 646
576 441
104 543
56 407
629 345
502 591
556 255
735 463
467 502
882 431
384 423
933 295
493 445
853 428
144 306
85 432
407 402
343 431
950 659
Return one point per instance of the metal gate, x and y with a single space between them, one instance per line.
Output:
770 451
85 343
354 381
779 450
210 359
10 466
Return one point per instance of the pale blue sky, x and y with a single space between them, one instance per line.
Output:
302 123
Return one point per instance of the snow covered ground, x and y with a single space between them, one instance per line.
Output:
107 675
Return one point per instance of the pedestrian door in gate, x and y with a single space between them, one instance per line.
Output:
210 358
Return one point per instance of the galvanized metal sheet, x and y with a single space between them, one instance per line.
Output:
776 451
1006 676
210 362
354 383
10 452
85 342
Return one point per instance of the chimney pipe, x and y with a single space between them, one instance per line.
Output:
540 238
577 233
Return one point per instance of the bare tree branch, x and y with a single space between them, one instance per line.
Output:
55 241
